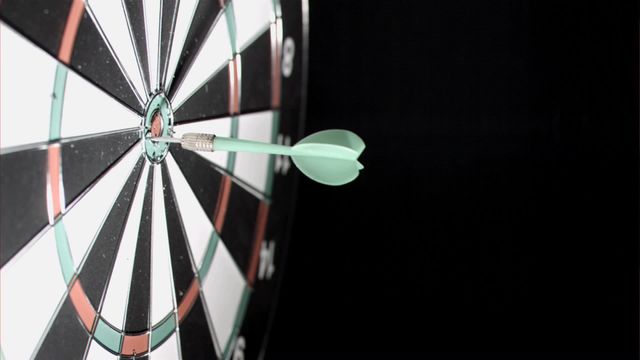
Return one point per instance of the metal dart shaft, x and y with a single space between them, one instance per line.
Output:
166 139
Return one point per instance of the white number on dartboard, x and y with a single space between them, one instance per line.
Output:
283 163
238 350
267 253
288 52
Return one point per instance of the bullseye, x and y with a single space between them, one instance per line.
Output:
158 121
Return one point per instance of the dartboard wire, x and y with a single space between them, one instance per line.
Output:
71 281
254 37
177 106
65 140
82 263
47 328
73 278
68 207
104 173
145 79
203 272
51 319
173 65
235 79
212 331
164 65
159 55
42 145
179 80
61 140
274 30
153 61
140 183
235 71
194 266
66 63
224 116
173 314
237 322
148 187
32 242
245 276
136 92
255 192
160 210
79 266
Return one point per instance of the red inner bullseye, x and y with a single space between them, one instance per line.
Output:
156 125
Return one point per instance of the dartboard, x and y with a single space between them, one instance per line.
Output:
115 246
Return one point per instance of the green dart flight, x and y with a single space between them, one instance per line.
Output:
329 157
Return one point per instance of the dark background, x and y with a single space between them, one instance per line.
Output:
498 207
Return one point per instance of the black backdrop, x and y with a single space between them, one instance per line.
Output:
498 207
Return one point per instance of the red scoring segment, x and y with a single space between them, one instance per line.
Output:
53 182
223 204
234 85
70 31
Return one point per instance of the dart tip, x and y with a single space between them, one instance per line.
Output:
168 139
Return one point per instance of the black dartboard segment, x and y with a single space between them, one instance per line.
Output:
91 57
89 158
167 22
135 16
181 264
23 201
66 337
210 101
112 247
137 320
43 21
202 177
256 74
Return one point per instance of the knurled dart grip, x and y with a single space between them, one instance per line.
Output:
198 141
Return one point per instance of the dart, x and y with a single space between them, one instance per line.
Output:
329 157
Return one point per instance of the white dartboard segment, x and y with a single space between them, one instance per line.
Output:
88 110
215 52
25 91
152 26
115 301
197 225
98 352
162 302
219 127
252 19
253 168
222 288
83 221
111 18
31 288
